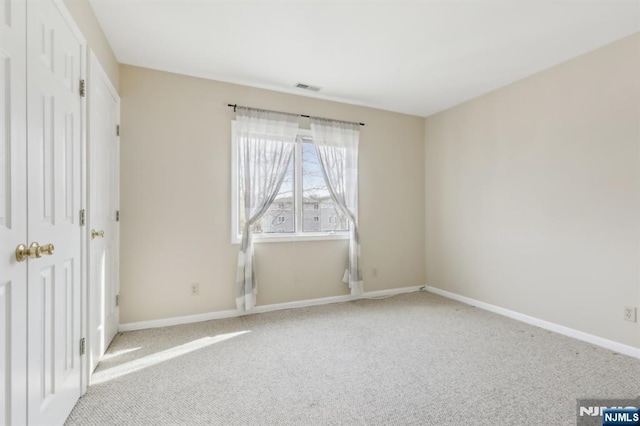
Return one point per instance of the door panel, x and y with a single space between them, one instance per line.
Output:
104 112
13 209
68 168
54 110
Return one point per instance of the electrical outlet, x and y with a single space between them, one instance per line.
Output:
374 272
195 289
630 313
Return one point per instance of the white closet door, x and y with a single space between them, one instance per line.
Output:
54 114
104 153
13 214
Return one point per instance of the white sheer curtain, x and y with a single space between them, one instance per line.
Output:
337 146
265 146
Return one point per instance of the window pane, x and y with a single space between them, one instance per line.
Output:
280 218
318 211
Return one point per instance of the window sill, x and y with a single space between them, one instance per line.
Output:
310 236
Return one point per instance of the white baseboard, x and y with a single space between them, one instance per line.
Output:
261 309
166 322
560 329
391 292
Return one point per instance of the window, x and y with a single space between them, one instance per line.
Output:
303 208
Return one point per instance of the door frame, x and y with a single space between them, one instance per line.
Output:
95 71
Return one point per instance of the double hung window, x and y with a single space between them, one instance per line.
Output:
302 209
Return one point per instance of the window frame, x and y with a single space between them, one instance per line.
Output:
297 235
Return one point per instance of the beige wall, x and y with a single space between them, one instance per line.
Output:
533 194
175 200
84 17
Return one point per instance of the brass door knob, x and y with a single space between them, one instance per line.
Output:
47 249
34 251
95 234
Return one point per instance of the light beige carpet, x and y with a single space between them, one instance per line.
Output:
414 359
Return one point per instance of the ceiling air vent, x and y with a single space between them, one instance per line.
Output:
308 87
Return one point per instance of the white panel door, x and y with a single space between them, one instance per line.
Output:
104 115
54 114
13 214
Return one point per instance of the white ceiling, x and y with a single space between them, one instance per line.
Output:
415 57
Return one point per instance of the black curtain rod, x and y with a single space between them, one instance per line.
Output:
235 106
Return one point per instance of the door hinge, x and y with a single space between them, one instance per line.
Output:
83 91
82 346
83 217
117 215
117 300
118 130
